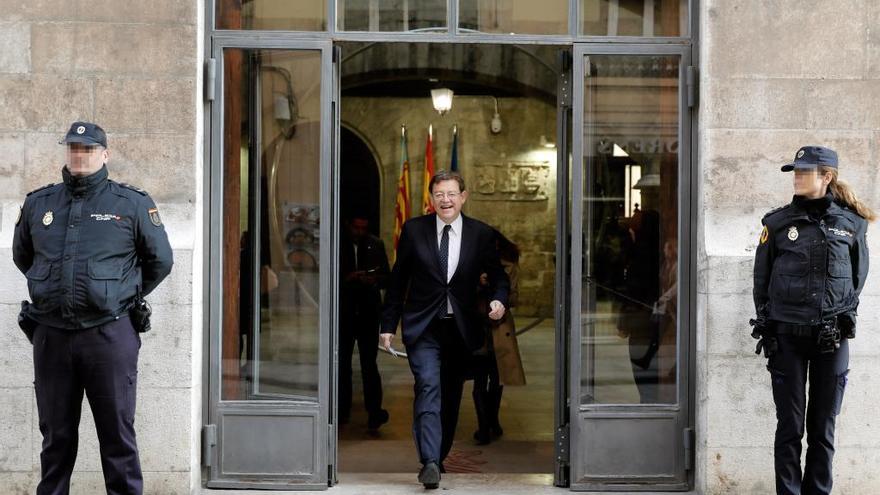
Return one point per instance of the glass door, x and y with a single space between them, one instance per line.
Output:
630 330
271 265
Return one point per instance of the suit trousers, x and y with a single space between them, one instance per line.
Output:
363 329
796 359
100 362
439 359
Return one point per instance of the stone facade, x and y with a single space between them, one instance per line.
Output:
133 68
776 76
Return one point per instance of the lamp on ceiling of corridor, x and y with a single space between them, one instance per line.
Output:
442 98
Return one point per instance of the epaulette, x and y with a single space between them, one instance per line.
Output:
41 188
133 188
776 210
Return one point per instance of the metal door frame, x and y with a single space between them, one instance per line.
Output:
319 408
686 274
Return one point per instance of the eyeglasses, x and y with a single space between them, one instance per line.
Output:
450 195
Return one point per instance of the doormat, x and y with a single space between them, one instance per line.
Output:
465 461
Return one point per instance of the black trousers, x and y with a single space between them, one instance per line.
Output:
797 361
364 331
487 391
102 363
439 360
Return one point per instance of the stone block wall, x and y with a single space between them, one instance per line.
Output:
133 68
777 76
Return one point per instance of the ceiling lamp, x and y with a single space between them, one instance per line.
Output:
442 99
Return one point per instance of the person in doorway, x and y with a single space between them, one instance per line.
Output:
498 363
91 249
642 290
363 268
432 293
810 266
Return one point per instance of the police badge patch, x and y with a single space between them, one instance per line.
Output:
764 235
47 218
154 216
792 233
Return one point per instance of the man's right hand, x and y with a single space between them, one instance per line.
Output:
385 339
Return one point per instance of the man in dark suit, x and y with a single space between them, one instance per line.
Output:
363 268
433 290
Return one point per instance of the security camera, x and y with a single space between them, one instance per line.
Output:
495 126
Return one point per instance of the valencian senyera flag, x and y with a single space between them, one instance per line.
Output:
427 206
453 165
402 207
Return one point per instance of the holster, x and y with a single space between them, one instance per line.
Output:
25 322
828 339
139 314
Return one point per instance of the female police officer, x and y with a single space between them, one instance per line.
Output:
810 265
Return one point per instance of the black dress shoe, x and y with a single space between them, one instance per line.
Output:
497 431
430 476
482 437
377 419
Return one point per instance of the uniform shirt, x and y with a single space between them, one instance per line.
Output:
454 249
87 247
811 262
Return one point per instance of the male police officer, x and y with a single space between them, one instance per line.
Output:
90 248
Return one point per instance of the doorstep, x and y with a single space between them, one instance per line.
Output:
406 484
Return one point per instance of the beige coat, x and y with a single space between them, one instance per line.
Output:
510 368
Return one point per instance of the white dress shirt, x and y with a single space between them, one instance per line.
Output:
454 248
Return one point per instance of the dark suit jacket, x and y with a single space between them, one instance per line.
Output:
417 289
357 296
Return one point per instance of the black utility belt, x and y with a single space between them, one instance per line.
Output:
797 330
827 334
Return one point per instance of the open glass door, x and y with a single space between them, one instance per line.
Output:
630 339
271 265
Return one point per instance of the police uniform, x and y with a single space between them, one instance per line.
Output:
89 247
810 266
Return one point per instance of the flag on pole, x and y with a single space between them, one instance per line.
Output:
453 166
401 209
427 207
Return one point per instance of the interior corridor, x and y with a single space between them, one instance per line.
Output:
526 416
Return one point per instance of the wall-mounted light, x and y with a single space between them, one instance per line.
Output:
442 99
545 143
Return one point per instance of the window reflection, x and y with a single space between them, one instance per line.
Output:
271 185
514 16
634 17
390 15
284 15
631 226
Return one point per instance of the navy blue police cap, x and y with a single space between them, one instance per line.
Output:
85 133
812 157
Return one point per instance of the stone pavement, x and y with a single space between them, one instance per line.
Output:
406 484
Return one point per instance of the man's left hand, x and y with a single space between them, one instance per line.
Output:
497 310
